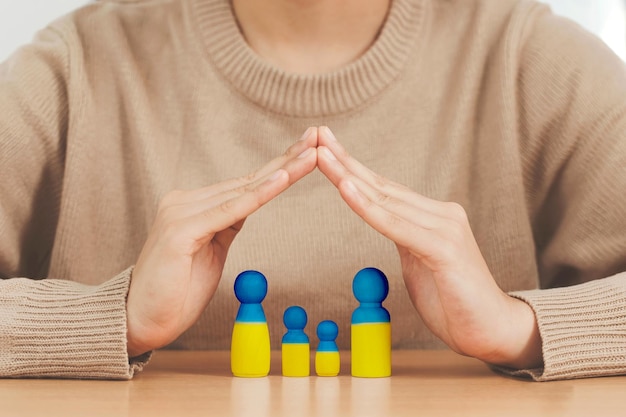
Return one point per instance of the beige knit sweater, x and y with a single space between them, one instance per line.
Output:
518 115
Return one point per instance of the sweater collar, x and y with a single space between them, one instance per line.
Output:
308 95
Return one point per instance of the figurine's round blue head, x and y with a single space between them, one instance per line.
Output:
327 330
250 287
295 317
370 285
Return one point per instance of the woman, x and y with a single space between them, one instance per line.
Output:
503 122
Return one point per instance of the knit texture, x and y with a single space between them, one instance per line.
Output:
79 332
582 329
498 105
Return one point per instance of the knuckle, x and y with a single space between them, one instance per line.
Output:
225 207
248 178
383 199
170 198
165 215
170 232
252 176
454 233
246 188
447 250
456 212
392 221
259 198
380 181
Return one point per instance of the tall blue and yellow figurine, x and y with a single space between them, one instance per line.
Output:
250 347
296 352
327 359
371 326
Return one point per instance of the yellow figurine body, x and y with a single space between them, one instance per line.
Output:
296 352
327 359
250 350
250 345
371 349
295 359
371 326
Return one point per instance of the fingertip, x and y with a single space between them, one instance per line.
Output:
328 140
309 160
310 137
329 165
300 148
315 136
308 133
326 133
308 157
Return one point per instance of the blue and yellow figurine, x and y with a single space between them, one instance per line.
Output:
327 359
250 347
296 353
371 326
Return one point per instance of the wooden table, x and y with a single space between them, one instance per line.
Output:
424 383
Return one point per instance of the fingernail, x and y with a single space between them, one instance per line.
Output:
351 188
330 155
330 134
306 134
305 153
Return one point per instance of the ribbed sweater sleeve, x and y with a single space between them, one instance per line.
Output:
57 328
583 329
573 116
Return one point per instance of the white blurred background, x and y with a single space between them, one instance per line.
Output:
605 18
20 19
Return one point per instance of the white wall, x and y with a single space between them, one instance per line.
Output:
20 19
605 18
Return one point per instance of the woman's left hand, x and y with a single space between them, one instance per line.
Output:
444 271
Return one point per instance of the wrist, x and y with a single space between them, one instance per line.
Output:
134 346
521 345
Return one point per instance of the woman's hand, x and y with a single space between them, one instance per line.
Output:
444 271
182 260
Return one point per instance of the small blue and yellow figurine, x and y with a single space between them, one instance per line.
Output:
296 352
250 347
327 359
371 326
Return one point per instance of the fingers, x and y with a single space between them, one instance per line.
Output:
329 149
229 212
425 226
296 170
189 219
185 231
398 205
398 227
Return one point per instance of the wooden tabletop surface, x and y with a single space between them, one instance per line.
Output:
424 383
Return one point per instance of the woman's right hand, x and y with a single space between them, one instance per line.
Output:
181 263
